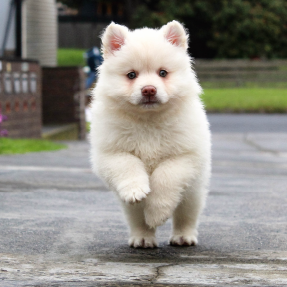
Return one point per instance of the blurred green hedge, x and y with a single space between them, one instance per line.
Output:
223 28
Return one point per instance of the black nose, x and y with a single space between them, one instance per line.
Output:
149 91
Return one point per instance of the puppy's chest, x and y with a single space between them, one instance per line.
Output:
151 144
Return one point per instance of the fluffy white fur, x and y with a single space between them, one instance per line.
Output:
155 157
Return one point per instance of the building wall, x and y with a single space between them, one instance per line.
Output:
4 13
64 97
20 98
39 31
83 29
80 35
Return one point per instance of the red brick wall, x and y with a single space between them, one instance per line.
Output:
64 97
20 98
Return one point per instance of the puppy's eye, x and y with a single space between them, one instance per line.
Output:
162 73
131 75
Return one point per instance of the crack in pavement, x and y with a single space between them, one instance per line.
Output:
158 272
250 142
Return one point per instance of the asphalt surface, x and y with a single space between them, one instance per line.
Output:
59 225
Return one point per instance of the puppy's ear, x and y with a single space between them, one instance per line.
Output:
175 33
113 38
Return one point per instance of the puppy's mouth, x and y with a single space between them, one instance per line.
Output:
149 100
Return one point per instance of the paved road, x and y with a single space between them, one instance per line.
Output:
246 123
60 226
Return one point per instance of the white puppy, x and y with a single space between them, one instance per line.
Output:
150 139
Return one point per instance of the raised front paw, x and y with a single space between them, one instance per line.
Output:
142 242
183 240
133 193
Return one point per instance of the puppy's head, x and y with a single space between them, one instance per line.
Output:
146 69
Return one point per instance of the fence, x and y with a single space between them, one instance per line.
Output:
240 73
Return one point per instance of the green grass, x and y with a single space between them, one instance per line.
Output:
17 146
88 127
245 100
243 85
71 57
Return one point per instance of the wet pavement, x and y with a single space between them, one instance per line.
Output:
60 226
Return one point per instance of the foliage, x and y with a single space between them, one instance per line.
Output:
71 57
251 29
195 14
245 100
223 28
16 146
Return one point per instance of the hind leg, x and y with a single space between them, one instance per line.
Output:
185 218
141 235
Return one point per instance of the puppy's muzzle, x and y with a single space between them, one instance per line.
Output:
149 95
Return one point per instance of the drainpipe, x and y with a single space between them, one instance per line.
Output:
18 50
7 28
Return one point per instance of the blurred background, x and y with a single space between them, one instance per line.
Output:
49 51
60 226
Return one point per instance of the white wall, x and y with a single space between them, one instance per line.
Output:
4 13
39 31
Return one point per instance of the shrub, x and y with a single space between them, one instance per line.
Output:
223 28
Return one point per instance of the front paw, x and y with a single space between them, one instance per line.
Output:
133 194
